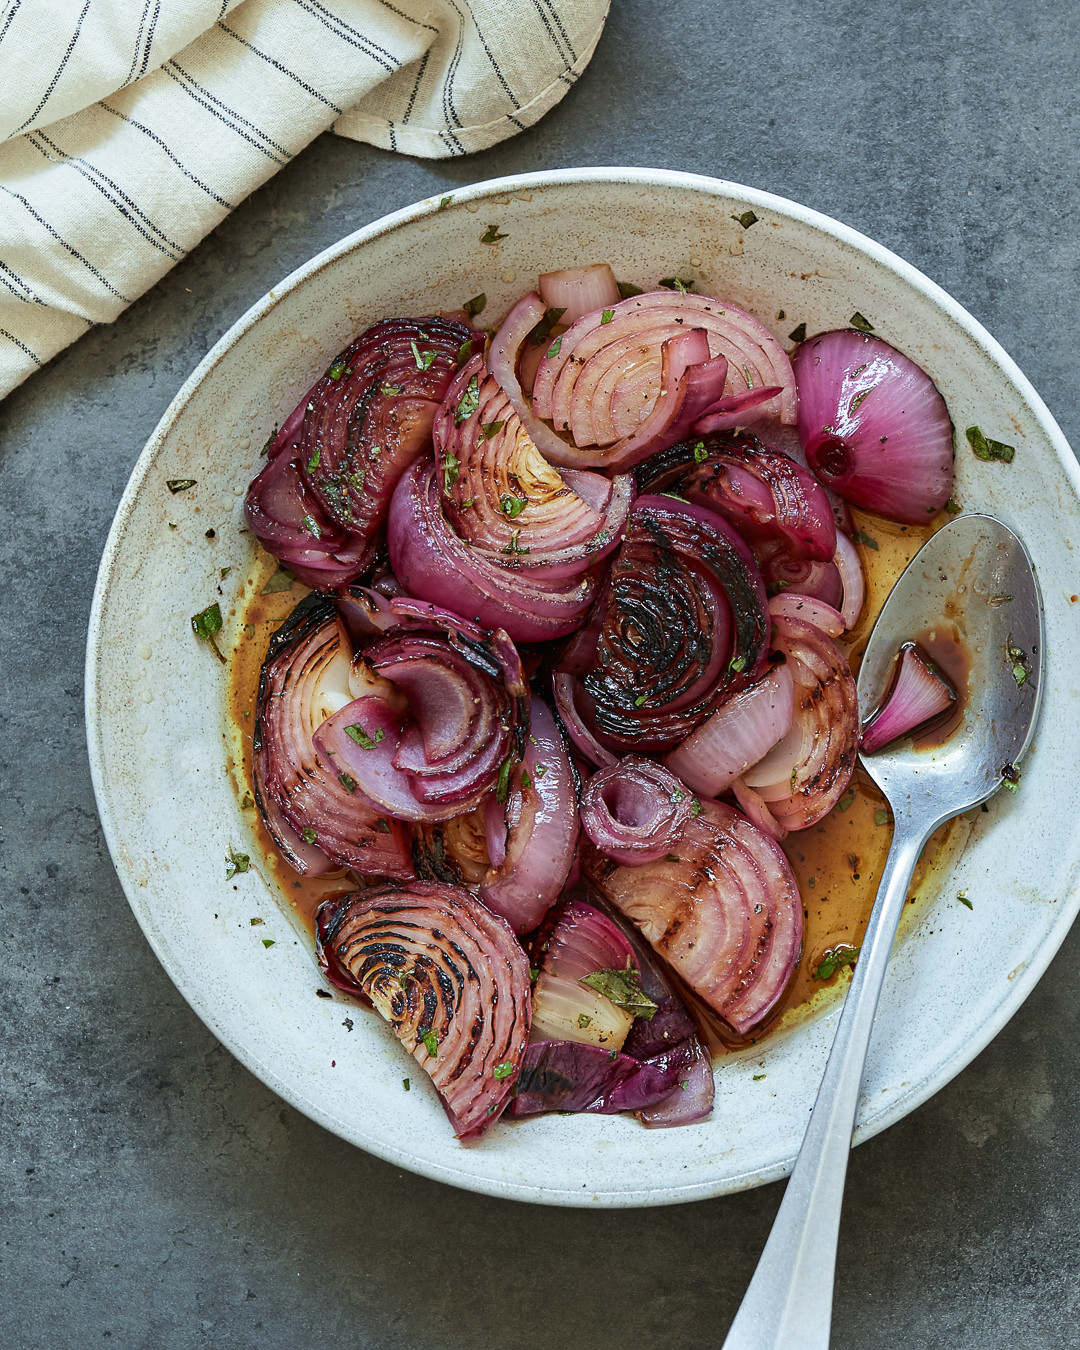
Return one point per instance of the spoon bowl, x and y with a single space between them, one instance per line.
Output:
972 585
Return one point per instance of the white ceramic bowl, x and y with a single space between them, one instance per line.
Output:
156 715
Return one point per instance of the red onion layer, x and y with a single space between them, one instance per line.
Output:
304 678
684 627
450 979
635 810
579 290
875 428
737 735
726 913
918 697
803 777
538 827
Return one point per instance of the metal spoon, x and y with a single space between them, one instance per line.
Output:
973 576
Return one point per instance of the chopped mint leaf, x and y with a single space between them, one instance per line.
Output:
861 322
962 897
382 825
176 485
311 525
798 333
268 942
205 625
758 1077
986 449
308 835
442 207
542 331
464 352
223 572
641 698
526 781
501 1071
512 506
627 289
700 453
696 809
502 786
356 733
489 429
747 219
584 1020
556 347
861 537
475 306
882 817
607 316
423 359
953 507
236 862
313 462
431 1042
451 470
513 546
491 235
390 389
470 401
338 369
832 961
677 284
347 782
623 988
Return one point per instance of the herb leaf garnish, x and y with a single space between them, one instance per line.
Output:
205 625
356 733
491 235
623 988
176 485
832 961
986 449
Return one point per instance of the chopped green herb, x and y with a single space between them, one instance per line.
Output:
962 897
696 809
205 625
338 369
489 429
747 219
423 359
475 306
798 334
223 572
985 448
249 631
737 664
180 484
431 1042
512 506
540 769
268 942
501 1071
758 1077
700 453
405 1082
861 322
882 817
502 786
513 546
953 507
356 733
347 781
256 923
678 795
677 284
247 801
235 862
831 962
846 800
467 503
584 1020
313 462
780 315
442 207
641 698
470 401
309 836
390 389
464 352
534 974
861 537
526 781
451 469
555 347
607 316
672 857
1010 777
311 525
382 825
627 289
491 235
269 442
858 399
542 331
623 988
173 526
1021 666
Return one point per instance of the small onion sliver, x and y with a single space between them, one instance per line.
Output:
852 579
541 829
579 290
794 606
918 696
741 732
634 811
757 812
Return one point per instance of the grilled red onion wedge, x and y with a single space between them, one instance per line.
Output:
451 980
724 911
634 811
305 680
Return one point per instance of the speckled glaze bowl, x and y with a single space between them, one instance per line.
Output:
159 735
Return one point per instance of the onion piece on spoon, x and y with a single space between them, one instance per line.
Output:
918 696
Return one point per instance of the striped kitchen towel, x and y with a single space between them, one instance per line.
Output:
130 128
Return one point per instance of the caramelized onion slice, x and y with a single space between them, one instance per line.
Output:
684 627
724 912
634 811
803 777
450 979
305 680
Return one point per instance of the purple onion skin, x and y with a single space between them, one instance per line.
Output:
568 1076
874 425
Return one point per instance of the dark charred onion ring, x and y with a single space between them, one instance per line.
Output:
803 777
685 626
634 811
451 980
370 415
725 912
305 674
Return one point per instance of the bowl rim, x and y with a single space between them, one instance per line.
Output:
196 997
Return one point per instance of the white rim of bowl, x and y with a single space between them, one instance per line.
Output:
903 1103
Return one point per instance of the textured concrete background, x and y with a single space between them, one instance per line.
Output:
152 1193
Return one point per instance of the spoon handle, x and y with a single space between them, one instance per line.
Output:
788 1305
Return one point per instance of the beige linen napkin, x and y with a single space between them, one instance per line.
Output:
130 128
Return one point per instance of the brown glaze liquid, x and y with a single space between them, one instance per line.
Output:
837 862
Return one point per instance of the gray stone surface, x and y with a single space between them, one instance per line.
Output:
152 1193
